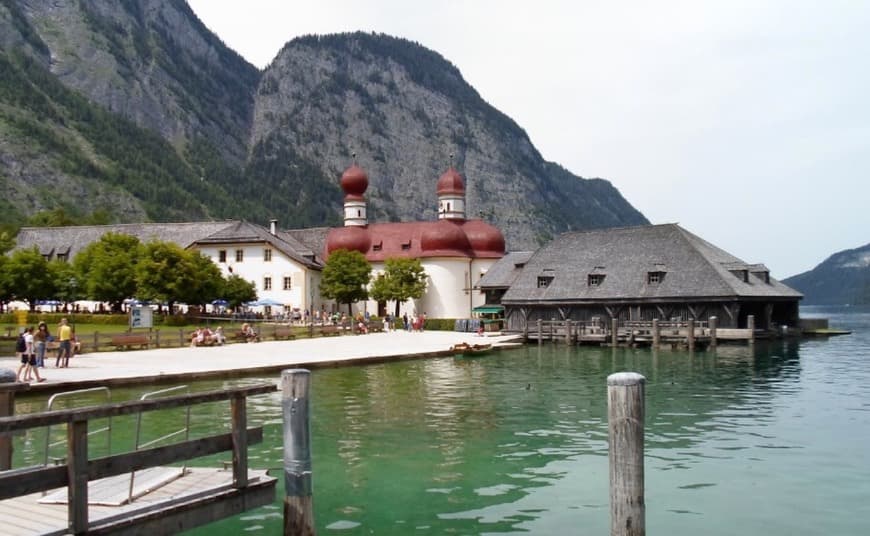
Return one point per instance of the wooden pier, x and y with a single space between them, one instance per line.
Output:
655 333
93 496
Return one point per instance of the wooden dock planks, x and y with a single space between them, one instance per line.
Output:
26 516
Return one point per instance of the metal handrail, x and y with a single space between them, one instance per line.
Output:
108 428
185 430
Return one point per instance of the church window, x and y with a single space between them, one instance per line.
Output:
267 283
240 255
267 255
222 255
287 282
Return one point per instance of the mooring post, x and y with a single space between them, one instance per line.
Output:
656 333
298 506
614 334
750 324
625 416
690 336
540 330
713 321
9 385
568 331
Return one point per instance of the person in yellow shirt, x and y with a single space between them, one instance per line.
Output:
64 338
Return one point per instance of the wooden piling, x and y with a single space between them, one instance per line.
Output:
625 415
568 331
750 324
656 333
540 331
8 387
614 331
713 321
298 505
690 336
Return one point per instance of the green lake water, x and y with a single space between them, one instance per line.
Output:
769 442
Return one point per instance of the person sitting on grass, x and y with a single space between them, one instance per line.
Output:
249 333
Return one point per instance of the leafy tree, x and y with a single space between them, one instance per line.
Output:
345 277
7 242
107 268
403 279
163 273
27 277
67 287
5 290
206 282
52 218
238 290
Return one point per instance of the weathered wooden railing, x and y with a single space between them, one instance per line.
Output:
79 470
653 332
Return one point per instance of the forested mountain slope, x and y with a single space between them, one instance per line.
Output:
843 278
135 110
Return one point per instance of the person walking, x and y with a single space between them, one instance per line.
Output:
40 340
64 337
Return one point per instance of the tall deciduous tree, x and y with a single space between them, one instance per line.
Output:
238 290
402 279
107 268
27 276
345 277
163 273
206 282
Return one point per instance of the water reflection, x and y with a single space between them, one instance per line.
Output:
517 441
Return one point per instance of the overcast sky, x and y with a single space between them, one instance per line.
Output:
746 122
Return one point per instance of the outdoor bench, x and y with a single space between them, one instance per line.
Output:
330 330
128 341
284 333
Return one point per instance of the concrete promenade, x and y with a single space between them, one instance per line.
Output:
171 364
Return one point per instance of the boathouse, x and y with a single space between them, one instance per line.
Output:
644 273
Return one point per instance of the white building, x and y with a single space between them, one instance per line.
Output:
455 252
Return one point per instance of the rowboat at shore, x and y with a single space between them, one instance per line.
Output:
465 349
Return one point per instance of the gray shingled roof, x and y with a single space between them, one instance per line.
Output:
693 268
313 238
245 233
503 273
71 240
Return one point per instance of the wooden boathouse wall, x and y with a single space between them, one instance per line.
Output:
767 315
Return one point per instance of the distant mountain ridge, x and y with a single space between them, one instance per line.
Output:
843 278
136 109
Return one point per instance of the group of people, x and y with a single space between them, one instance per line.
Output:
206 337
31 346
414 322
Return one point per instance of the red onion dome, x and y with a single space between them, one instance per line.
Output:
352 238
444 235
450 183
354 181
484 238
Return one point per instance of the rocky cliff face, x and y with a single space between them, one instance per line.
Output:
404 110
843 278
138 110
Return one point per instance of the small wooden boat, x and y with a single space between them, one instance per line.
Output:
466 349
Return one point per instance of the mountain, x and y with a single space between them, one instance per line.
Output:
134 109
843 278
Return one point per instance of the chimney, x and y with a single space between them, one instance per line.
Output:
273 226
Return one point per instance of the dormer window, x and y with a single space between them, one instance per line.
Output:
742 275
654 278
544 281
764 276
594 280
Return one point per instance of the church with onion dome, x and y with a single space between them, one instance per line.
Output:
455 251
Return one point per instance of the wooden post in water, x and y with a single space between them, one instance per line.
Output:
625 416
8 387
656 333
298 506
77 474
568 331
713 321
540 331
690 336
614 331
750 324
